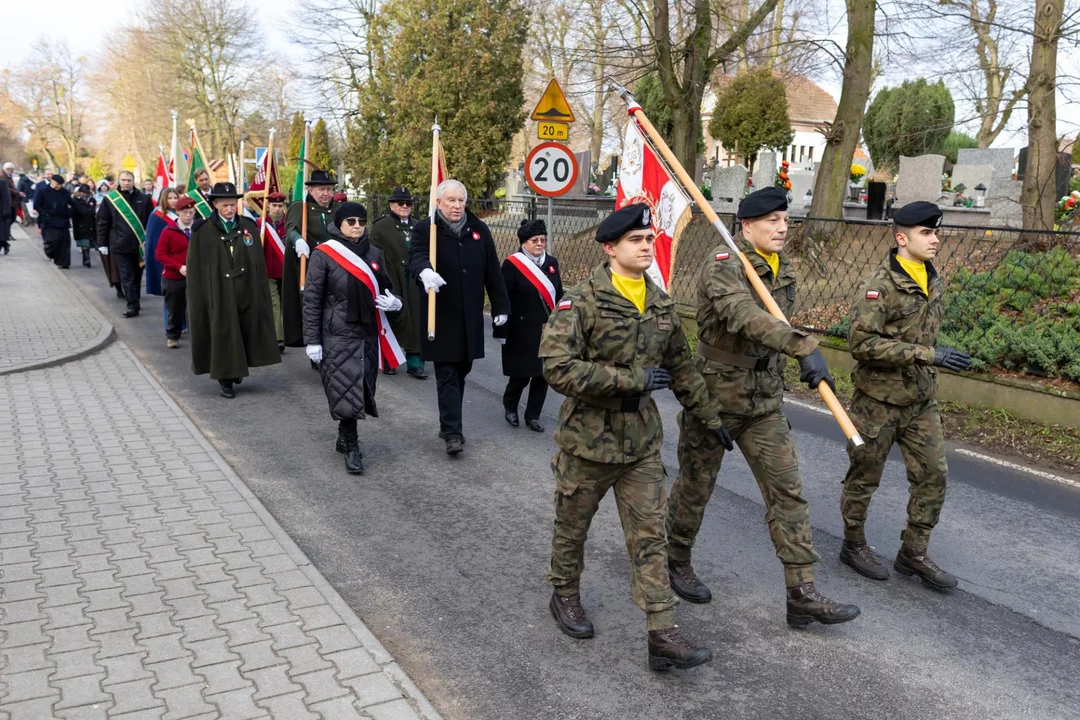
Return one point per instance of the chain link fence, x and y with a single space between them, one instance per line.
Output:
1012 297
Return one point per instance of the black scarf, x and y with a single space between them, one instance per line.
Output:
361 304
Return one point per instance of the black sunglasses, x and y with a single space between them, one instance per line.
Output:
355 221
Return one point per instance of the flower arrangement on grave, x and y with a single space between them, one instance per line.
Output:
1067 208
858 172
946 183
783 179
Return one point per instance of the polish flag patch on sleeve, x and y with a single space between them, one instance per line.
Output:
872 294
564 305
722 256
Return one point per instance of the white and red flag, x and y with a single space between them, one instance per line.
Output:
161 176
258 182
644 179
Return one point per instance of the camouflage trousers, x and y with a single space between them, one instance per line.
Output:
641 494
767 445
917 429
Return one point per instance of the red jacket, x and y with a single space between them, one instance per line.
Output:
171 250
275 260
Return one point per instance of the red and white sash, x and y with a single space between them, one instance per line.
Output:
278 244
390 350
532 272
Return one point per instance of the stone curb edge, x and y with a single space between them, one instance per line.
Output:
381 656
103 338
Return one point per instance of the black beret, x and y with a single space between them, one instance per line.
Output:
531 228
916 214
348 210
622 221
57 179
762 202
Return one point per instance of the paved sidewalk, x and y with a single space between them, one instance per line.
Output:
140 578
44 320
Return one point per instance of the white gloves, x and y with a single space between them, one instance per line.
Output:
314 353
303 249
431 280
501 341
387 302
501 320
104 249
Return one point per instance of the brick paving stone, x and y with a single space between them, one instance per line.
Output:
137 579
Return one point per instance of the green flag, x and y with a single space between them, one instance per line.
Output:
298 190
197 164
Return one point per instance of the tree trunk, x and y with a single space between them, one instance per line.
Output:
1037 196
596 129
830 186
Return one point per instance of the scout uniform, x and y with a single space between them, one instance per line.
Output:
895 321
739 355
606 349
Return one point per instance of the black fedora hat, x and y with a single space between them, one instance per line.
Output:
224 191
320 177
400 194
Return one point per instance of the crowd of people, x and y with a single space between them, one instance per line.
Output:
248 283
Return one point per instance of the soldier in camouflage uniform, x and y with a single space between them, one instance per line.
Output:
739 355
613 340
895 321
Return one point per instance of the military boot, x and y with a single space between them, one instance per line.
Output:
354 464
860 557
686 583
806 605
571 617
910 561
669 648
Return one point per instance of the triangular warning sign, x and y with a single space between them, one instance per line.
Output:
553 105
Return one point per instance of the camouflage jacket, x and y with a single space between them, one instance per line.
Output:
894 328
732 318
597 344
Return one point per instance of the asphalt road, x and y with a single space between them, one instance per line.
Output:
445 558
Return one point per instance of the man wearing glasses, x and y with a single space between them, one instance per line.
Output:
390 235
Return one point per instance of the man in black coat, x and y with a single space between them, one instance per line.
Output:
121 232
467 266
26 190
53 206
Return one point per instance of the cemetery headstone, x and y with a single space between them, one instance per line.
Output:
728 187
920 178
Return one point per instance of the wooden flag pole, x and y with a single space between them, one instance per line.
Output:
432 230
303 216
689 186
266 187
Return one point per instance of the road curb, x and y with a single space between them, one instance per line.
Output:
101 340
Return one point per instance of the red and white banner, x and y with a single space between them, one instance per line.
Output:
278 244
535 275
644 179
390 350
259 181
161 176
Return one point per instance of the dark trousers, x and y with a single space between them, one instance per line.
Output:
537 392
175 306
347 429
450 384
130 277
57 242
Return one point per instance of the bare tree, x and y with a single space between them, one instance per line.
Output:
1038 196
49 91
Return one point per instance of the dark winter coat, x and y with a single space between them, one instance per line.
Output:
528 315
390 236
26 187
230 317
319 219
113 231
157 222
53 207
83 218
469 265
350 363
9 197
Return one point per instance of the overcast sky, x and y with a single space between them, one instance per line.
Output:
84 27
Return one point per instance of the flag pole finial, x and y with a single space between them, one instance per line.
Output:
174 115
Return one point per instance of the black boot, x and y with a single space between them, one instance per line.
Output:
686 583
917 562
571 617
227 389
454 444
340 444
806 605
86 257
668 648
353 457
511 417
860 557
119 292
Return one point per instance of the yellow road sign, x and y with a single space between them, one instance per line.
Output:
552 130
553 105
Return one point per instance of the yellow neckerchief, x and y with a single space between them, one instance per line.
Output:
774 261
632 290
917 271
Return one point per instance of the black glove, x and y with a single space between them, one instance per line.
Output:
951 359
656 379
724 437
814 370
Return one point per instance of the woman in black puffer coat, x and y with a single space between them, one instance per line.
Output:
341 316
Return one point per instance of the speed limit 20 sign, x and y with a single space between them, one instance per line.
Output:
551 169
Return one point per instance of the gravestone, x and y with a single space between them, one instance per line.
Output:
765 175
515 183
801 181
1063 175
972 175
728 187
584 163
1004 204
1001 159
875 200
919 178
